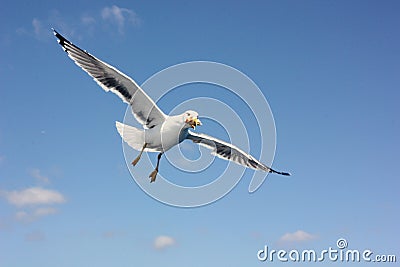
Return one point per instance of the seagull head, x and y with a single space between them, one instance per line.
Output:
191 119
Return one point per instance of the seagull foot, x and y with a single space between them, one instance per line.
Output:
135 161
153 176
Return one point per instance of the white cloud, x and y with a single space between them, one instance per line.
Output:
22 216
87 20
44 211
33 196
37 26
40 28
163 241
30 216
39 31
36 173
298 236
120 16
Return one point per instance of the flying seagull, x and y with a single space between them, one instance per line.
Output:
161 132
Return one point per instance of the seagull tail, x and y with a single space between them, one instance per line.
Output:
134 137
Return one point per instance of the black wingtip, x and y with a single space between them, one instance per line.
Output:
61 39
281 173
58 35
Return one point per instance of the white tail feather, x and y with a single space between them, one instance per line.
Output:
134 137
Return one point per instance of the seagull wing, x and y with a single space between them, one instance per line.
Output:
230 152
110 79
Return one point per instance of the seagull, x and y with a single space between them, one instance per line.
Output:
160 132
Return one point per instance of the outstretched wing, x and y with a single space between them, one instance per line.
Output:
230 152
110 79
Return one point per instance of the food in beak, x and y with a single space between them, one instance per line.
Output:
193 122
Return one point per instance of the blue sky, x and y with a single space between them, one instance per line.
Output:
329 70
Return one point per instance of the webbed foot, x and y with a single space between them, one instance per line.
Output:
153 176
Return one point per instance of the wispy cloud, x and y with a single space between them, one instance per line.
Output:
162 242
35 236
33 196
116 18
111 234
44 211
33 215
120 17
37 174
298 236
40 28
37 27
33 202
22 216
87 20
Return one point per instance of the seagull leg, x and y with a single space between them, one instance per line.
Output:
153 174
136 160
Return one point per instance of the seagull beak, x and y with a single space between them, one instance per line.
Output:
197 122
193 122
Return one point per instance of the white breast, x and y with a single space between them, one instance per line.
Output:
165 136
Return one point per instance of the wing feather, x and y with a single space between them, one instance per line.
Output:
230 152
109 78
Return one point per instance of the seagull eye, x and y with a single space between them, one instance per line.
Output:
188 113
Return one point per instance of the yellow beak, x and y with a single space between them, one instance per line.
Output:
193 122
